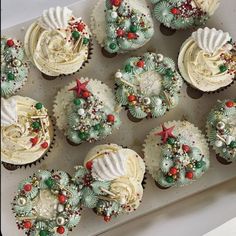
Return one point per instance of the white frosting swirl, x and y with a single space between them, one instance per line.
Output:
8 111
208 6
17 147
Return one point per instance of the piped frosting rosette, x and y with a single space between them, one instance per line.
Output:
58 42
86 111
183 14
207 60
122 25
111 180
221 129
14 66
148 85
47 204
26 130
176 154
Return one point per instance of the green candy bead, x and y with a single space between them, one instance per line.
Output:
77 101
75 35
171 141
49 182
133 28
97 127
233 144
36 125
128 68
10 76
43 233
199 164
223 68
169 179
83 136
169 73
112 46
85 41
38 106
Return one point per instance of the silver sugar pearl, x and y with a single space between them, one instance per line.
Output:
220 125
218 143
146 101
160 57
16 63
60 220
21 201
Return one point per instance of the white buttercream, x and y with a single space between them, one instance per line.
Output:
8 111
208 6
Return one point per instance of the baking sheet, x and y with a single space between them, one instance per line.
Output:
65 157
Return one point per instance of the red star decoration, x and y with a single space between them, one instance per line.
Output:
166 133
80 87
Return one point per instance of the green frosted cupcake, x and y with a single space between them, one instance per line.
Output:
14 66
221 130
176 154
47 204
148 86
85 111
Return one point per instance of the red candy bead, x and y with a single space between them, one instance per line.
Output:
85 94
131 98
111 118
61 230
116 2
89 165
34 140
131 35
80 27
173 170
107 218
27 224
120 32
44 145
27 187
10 42
229 104
189 175
186 148
141 64
175 11
62 198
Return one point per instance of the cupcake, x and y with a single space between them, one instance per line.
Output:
111 180
26 131
148 86
221 130
85 111
47 204
58 43
207 60
183 14
176 154
121 25
14 66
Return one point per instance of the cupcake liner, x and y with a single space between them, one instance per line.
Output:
167 31
13 167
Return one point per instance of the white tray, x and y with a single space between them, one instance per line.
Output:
65 157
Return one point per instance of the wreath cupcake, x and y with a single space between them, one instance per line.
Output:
148 86
47 204
14 66
85 111
58 43
221 130
111 180
121 25
176 154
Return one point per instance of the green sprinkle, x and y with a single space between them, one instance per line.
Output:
169 179
10 76
38 105
75 35
128 68
77 101
112 46
169 73
171 141
133 28
49 182
223 68
36 125
85 41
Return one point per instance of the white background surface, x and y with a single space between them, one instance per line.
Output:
193 216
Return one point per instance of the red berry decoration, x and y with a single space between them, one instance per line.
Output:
89 165
173 170
27 187
62 198
86 94
116 2
107 218
131 35
27 224
141 64
111 118
189 175
34 140
175 11
120 32
229 104
10 42
80 27
44 145
61 230
131 98
186 148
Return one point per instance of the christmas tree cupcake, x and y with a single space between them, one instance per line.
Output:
121 25
148 86
221 130
47 204
85 111
27 132
183 14
207 60
176 154
111 180
14 66
58 43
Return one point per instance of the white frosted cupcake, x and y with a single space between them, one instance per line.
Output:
58 43
26 131
207 60
176 154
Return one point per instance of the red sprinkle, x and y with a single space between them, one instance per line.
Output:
44 145
80 27
131 98
10 42
34 140
132 35
120 32
89 165
61 230
111 118
27 187
141 64
62 198
173 170
189 175
116 2
27 224
107 218
229 104
85 94
175 11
